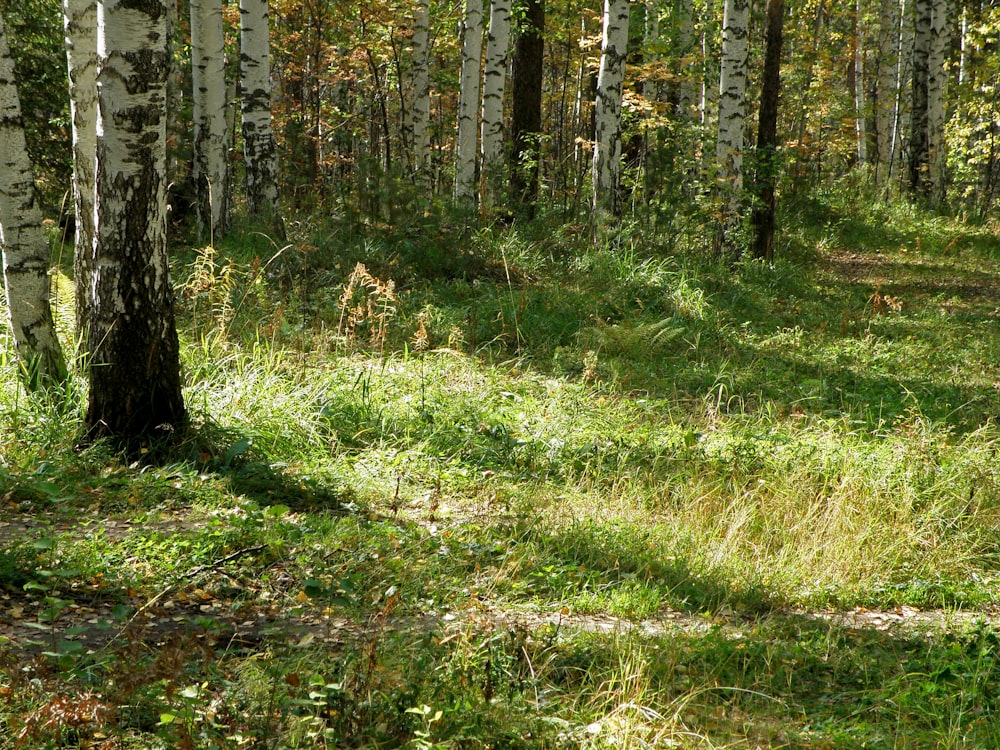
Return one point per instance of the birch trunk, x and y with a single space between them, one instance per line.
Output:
494 81
651 39
937 89
25 246
420 91
208 79
468 102
134 365
732 114
886 88
259 149
608 109
80 25
904 93
919 140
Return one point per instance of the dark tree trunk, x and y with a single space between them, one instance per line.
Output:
767 130
526 118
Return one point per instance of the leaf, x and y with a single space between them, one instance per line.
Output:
237 449
167 719
276 511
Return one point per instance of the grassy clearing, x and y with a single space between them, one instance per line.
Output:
534 495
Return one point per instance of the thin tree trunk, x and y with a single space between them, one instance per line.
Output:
208 78
468 103
767 131
937 89
685 43
919 136
494 79
526 114
259 148
420 104
25 246
80 23
732 114
886 87
134 364
860 105
608 109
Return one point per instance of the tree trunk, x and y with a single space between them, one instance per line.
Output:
25 246
526 114
860 104
767 131
685 42
732 113
919 136
886 89
608 109
420 104
468 103
494 79
208 79
937 89
134 364
259 149
80 22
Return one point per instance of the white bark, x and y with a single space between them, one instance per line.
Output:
937 80
608 107
732 104
259 149
133 359
494 80
887 86
420 90
901 123
25 246
468 102
80 25
208 79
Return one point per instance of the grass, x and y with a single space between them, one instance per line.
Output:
541 495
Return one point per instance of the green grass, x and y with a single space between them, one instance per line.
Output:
539 495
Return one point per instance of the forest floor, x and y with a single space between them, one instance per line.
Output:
608 498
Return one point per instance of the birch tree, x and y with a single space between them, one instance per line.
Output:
919 136
80 25
208 82
887 89
937 87
134 364
468 102
25 246
608 108
494 80
732 113
259 149
420 88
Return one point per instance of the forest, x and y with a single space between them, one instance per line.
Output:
512 374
